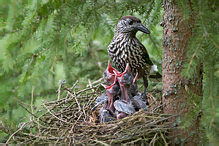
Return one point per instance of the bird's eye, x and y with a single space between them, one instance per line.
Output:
131 22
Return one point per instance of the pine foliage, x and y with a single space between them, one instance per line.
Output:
203 56
44 41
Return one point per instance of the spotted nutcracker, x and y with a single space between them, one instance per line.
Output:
126 48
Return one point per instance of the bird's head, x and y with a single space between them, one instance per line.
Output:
109 74
130 24
113 89
126 77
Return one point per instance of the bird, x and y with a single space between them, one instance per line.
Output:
127 84
123 109
125 80
102 99
121 98
134 86
126 48
124 106
109 74
112 92
139 102
106 114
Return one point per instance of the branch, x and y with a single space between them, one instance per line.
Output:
196 50
28 110
21 128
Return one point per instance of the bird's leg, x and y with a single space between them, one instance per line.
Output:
145 86
134 87
123 95
121 115
127 95
110 104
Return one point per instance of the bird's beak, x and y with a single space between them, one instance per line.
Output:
108 87
126 70
111 69
135 79
142 28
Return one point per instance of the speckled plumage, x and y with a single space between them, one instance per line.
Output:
126 48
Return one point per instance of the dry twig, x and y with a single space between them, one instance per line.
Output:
70 120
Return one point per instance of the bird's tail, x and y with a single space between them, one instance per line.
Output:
155 76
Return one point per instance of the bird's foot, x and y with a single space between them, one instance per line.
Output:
144 94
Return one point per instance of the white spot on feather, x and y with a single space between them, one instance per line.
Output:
153 69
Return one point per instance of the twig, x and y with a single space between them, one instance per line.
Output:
79 124
90 84
31 104
55 115
88 89
74 85
75 123
28 110
22 102
153 140
77 103
101 142
61 82
165 142
17 131
97 81
162 105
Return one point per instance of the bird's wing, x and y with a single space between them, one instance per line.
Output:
123 107
145 56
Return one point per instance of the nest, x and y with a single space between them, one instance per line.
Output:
69 120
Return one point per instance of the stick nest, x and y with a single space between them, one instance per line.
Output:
69 120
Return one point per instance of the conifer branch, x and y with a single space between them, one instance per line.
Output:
213 42
156 47
193 56
21 128
211 98
58 37
73 17
83 36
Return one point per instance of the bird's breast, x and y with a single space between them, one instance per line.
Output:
123 50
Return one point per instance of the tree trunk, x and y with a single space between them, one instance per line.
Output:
176 36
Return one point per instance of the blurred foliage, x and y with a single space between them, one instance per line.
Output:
203 51
42 42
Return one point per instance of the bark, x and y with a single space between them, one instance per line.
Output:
176 36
